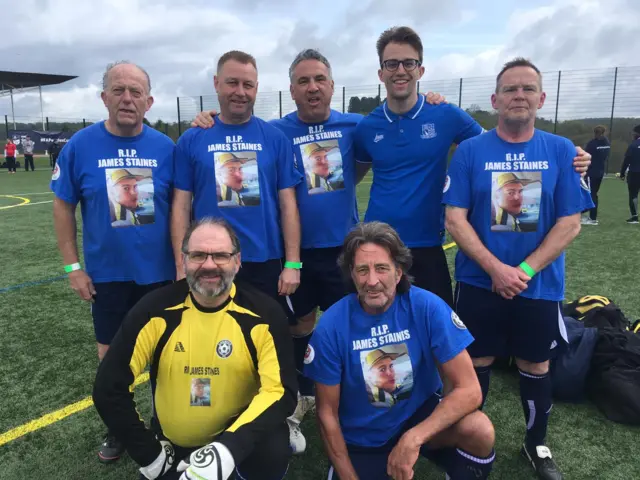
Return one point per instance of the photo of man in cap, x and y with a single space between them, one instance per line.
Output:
232 185
321 175
125 202
388 379
509 212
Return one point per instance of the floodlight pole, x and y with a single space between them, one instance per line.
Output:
41 110
13 113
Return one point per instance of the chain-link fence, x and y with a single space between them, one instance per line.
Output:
576 101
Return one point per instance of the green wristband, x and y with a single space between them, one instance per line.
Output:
72 268
527 269
296 265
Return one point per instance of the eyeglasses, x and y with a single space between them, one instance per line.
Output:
409 64
220 258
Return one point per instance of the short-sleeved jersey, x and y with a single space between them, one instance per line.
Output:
383 363
515 193
599 149
225 372
408 155
123 185
325 157
236 172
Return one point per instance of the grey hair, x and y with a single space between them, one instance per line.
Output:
308 54
105 76
210 221
380 234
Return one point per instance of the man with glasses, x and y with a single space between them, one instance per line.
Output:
222 372
406 141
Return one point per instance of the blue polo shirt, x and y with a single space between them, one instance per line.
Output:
325 158
236 172
515 194
408 154
123 185
384 364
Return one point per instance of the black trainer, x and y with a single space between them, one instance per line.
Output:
542 462
633 219
110 450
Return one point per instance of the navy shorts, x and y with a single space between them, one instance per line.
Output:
431 272
112 302
321 283
371 462
532 330
265 276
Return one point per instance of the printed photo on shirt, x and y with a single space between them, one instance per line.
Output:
515 201
323 166
130 192
237 183
388 374
200 392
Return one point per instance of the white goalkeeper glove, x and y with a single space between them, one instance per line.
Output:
162 463
211 462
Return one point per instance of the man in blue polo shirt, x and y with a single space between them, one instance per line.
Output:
375 357
406 142
243 170
121 173
513 206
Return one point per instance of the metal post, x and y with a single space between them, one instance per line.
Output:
613 105
460 94
84 123
13 113
6 125
344 97
418 86
555 123
201 104
179 124
379 96
47 119
280 101
41 109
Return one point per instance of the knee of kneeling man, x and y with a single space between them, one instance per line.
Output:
476 434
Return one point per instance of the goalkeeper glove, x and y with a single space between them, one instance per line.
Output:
212 462
162 463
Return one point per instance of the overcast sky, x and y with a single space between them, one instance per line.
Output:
180 42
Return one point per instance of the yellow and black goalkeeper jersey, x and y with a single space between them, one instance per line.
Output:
225 371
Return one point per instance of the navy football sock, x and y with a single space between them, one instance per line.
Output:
535 394
484 376
299 349
467 466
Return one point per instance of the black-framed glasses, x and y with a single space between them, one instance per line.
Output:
220 258
409 64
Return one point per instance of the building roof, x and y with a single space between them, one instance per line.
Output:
16 80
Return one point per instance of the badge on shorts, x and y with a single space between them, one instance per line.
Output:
224 348
309 355
457 322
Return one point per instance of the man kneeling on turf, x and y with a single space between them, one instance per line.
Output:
222 372
375 356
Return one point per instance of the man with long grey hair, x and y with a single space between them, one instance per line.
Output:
375 356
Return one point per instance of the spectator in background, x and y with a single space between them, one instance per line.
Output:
28 145
632 162
599 148
10 155
54 150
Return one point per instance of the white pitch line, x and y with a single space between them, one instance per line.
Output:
31 193
34 203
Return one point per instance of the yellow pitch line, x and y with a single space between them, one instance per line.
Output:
83 404
24 201
56 416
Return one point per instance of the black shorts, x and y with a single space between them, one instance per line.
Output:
370 463
268 461
532 330
431 272
112 302
321 283
265 276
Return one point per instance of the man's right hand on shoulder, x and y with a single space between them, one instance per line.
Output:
204 119
81 284
508 281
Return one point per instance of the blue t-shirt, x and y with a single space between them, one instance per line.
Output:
124 188
408 154
236 172
325 157
383 363
515 192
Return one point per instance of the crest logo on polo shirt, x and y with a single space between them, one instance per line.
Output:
457 322
428 131
224 348
56 172
309 355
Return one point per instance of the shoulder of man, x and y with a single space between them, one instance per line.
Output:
347 117
158 136
256 301
163 298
